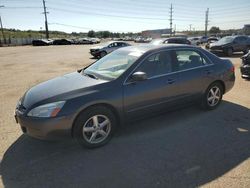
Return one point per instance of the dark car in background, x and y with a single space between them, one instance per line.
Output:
177 40
62 42
42 42
245 66
129 83
172 40
231 44
106 48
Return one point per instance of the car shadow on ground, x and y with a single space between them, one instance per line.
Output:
184 148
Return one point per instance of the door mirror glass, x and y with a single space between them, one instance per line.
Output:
139 76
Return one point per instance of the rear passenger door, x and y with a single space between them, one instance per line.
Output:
195 72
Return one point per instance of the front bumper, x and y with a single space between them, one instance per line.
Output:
45 128
95 53
245 71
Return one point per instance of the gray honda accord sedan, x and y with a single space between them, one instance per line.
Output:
131 82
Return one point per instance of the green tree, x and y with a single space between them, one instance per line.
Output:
214 30
91 33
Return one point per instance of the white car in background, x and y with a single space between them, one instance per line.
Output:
195 41
106 48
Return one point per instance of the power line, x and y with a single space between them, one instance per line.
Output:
106 15
21 7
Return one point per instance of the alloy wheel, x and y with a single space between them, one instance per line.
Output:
96 129
214 96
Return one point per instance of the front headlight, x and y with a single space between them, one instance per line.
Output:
47 110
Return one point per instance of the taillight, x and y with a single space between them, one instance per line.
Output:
232 69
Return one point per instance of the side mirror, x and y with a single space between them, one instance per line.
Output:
139 76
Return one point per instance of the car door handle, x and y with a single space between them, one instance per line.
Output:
171 81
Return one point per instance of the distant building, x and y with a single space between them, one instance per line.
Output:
157 33
246 29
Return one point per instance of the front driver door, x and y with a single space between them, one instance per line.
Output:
159 90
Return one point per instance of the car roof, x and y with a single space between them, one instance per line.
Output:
150 47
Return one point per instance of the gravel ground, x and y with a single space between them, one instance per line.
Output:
184 148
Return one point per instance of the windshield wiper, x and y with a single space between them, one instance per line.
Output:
90 75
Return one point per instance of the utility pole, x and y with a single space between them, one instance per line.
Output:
46 22
190 27
171 19
206 21
1 24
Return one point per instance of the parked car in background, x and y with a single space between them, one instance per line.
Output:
104 49
177 40
62 42
143 39
127 84
95 40
211 40
245 66
85 41
42 42
158 41
195 41
128 39
231 44
203 39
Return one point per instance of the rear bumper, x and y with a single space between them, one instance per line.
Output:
45 128
229 83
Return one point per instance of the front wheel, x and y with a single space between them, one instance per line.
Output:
102 54
94 127
212 97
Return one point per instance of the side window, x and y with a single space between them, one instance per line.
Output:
241 39
188 59
157 64
121 44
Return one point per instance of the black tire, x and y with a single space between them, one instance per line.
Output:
246 50
229 52
102 54
206 103
84 118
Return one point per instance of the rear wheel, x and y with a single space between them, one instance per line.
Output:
229 52
212 97
94 127
246 50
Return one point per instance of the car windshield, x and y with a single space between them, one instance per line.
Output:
225 40
113 65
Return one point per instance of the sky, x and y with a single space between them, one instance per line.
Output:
124 15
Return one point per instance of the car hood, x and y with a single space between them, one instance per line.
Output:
58 86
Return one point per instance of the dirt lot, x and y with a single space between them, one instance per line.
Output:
185 148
